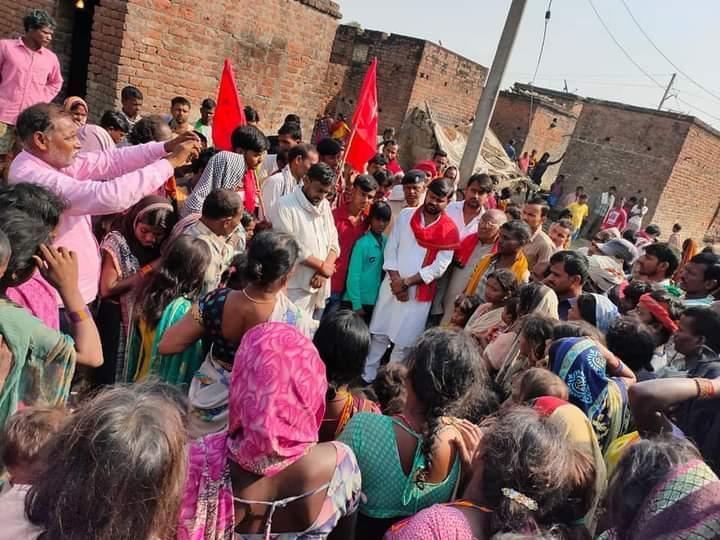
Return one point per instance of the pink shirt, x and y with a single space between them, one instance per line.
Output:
137 171
27 77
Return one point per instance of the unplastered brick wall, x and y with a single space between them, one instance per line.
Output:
692 192
176 48
632 148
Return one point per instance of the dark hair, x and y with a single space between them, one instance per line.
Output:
249 138
467 303
328 147
536 330
511 307
114 120
674 309
630 236
5 248
652 229
26 432
181 273
574 263
565 215
251 115
35 200
221 204
389 388
440 152
235 277
565 224
38 117
343 341
705 322
146 130
514 212
25 234
485 183
664 254
271 256
542 203
299 151
635 290
381 210
390 142
507 280
320 172
524 451
586 305
37 19
441 370
128 442
292 129
530 296
538 382
366 183
677 227
180 100
208 103
631 341
292 118
378 159
246 219
642 467
519 230
711 263
201 136
281 158
382 178
583 197
441 187
199 163
565 329
130 92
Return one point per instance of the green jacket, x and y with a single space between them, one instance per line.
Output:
365 271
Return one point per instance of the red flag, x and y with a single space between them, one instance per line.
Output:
229 113
362 143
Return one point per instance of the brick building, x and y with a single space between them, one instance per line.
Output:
177 47
410 72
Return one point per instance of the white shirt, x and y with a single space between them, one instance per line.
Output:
455 211
314 229
275 187
403 322
15 525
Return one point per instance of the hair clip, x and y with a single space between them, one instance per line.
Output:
519 498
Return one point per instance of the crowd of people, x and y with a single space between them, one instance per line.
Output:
264 343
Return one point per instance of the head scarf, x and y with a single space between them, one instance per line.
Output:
133 216
685 504
276 405
70 102
277 399
605 272
691 249
605 312
579 363
427 166
659 311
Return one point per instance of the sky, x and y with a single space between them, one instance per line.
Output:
577 47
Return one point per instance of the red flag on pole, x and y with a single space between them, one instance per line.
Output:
229 113
362 144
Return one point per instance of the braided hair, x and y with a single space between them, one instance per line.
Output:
441 371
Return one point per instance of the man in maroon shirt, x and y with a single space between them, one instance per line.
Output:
351 224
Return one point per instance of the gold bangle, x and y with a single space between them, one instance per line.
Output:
705 388
196 315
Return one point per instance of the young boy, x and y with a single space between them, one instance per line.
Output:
674 240
365 271
180 111
204 123
465 306
580 211
23 437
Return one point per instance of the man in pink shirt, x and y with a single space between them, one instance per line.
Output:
51 159
29 74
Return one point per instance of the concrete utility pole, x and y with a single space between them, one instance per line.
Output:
492 86
667 91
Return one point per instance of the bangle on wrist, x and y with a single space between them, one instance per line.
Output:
145 270
705 388
76 317
617 369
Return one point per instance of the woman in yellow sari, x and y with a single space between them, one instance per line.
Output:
513 236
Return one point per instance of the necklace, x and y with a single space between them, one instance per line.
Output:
254 301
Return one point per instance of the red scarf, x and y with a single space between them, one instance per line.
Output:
250 187
440 236
466 249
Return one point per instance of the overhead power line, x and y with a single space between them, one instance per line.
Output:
673 64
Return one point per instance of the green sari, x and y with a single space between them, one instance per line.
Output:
43 362
143 359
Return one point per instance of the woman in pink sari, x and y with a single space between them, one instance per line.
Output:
266 476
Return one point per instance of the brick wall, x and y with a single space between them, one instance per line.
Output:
398 59
632 148
692 192
450 83
175 48
410 71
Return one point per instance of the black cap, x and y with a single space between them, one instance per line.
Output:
414 176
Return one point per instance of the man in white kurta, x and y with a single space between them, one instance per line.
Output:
305 213
399 317
300 159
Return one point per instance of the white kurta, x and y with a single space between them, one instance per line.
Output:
314 229
403 322
455 212
274 188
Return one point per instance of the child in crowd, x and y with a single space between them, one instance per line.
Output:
536 333
390 389
23 438
538 382
465 306
248 221
366 262
579 211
